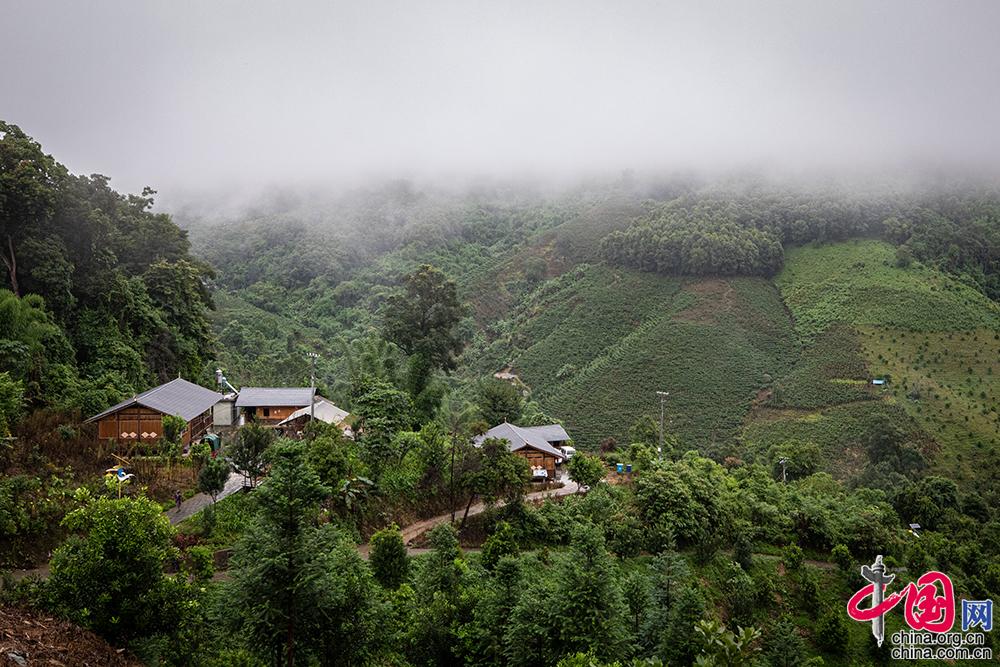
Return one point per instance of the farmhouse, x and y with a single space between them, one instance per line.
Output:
537 444
322 409
140 418
271 405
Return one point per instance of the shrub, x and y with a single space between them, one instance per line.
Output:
833 632
388 558
110 578
503 542
793 557
586 470
200 563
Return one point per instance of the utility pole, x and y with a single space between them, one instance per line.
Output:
451 482
663 400
312 384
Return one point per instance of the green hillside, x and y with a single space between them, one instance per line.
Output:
861 316
754 366
596 345
858 282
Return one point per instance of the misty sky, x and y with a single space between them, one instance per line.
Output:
193 95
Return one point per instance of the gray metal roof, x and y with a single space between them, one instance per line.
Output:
325 410
518 437
177 397
264 397
548 433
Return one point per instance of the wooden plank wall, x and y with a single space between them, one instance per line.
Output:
145 425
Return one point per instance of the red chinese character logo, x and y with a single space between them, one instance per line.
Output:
924 608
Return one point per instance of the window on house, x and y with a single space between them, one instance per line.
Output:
267 412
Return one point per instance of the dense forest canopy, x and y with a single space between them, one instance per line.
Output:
741 231
102 296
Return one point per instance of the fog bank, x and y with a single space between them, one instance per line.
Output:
191 96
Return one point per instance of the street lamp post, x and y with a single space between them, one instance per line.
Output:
663 400
312 384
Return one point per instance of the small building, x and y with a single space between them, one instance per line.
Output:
324 410
140 418
531 442
224 412
271 405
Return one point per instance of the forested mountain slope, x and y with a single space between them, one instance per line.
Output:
100 297
766 312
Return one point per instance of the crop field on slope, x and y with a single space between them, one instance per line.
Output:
575 319
712 347
839 431
830 371
949 383
857 283
859 317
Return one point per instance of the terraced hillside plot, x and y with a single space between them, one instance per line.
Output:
950 384
931 337
831 370
572 320
840 432
712 346
858 283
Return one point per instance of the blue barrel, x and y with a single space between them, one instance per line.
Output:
628 468
621 467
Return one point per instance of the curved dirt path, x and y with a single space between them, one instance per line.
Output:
415 530
410 532
200 501
418 528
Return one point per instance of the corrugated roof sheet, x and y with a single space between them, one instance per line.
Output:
326 411
177 397
549 432
262 397
519 437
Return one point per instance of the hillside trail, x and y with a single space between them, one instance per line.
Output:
409 532
418 528
200 501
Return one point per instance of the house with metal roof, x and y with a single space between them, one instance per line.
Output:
322 409
537 444
272 405
140 418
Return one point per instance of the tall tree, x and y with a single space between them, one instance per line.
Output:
501 476
213 477
29 180
273 574
36 353
499 401
423 320
387 555
592 612
248 451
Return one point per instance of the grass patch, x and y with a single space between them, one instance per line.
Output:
949 383
232 518
839 431
858 283
830 371
712 346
